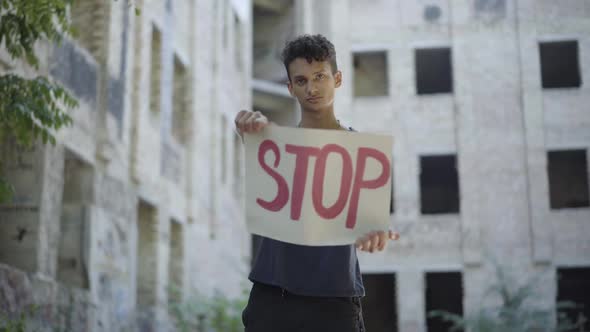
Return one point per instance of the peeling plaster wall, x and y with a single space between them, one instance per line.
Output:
71 236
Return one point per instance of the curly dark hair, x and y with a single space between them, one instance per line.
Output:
309 47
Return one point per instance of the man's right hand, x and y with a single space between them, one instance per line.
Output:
250 122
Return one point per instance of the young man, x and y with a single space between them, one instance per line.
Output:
305 288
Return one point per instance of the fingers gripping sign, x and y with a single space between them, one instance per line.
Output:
376 240
250 122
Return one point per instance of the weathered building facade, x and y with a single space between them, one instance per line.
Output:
142 195
487 102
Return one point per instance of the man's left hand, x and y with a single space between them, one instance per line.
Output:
375 241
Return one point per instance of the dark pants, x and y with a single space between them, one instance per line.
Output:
274 310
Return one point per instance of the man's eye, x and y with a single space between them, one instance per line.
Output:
321 76
300 82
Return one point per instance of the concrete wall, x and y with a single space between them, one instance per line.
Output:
100 209
497 120
129 201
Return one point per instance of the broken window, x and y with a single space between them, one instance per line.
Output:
490 8
568 178
225 7
573 285
439 184
176 262
238 52
444 291
370 74
273 25
560 67
72 264
391 201
379 303
180 103
433 71
19 218
156 70
147 254
89 20
137 98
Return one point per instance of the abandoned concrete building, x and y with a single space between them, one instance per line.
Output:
485 100
142 193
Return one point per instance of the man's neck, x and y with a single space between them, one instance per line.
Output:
319 120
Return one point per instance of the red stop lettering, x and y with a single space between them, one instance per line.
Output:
302 156
359 183
283 189
318 182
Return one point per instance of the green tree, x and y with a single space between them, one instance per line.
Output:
31 109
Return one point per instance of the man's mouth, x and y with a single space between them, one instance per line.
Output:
313 99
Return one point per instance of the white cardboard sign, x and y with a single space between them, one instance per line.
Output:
317 187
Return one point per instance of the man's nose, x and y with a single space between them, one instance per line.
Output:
312 88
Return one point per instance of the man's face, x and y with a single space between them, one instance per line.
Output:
313 84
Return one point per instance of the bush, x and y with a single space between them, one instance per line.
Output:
216 313
514 314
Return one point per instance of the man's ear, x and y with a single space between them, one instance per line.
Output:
338 78
290 87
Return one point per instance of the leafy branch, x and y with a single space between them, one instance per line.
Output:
24 22
31 109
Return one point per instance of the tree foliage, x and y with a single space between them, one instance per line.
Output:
31 109
24 22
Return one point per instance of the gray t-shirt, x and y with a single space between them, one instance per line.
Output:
308 270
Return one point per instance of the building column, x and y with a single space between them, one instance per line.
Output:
303 17
410 301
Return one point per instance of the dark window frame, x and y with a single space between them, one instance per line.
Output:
429 181
560 64
435 324
377 285
433 68
556 159
385 71
569 291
